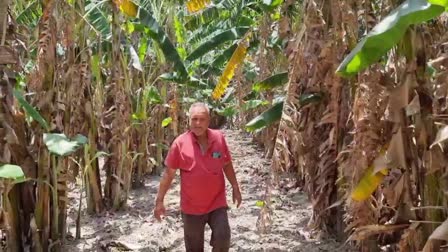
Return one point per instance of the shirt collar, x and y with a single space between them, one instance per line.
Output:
210 136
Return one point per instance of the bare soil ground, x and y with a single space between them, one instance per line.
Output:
135 229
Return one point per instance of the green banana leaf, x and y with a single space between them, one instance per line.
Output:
274 113
271 82
30 110
207 31
229 35
266 118
227 111
30 15
194 22
215 67
252 104
98 19
156 32
246 21
10 171
306 99
142 48
270 5
249 96
443 3
152 95
166 121
387 34
60 145
189 81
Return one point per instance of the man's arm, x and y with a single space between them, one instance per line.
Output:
165 184
231 177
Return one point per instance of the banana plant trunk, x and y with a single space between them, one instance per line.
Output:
42 83
119 168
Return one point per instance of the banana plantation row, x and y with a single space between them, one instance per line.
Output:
349 95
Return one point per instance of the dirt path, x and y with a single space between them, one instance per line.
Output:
135 229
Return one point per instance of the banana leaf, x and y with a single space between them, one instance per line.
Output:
270 5
207 31
194 22
266 118
387 34
30 15
271 82
229 35
274 113
189 81
10 171
60 145
250 96
443 3
30 110
309 98
98 19
235 61
156 32
252 104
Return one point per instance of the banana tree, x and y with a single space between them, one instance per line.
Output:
384 166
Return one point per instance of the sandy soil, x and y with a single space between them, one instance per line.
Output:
135 229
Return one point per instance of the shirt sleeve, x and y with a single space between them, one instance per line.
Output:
226 155
173 156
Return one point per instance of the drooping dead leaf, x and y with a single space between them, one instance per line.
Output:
380 163
441 232
442 60
328 118
441 136
409 241
413 107
364 232
395 153
284 28
434 241
393 193
399 98
434 159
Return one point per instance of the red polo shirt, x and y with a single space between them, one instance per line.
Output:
202 182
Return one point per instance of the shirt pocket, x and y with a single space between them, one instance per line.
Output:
187 161
216 161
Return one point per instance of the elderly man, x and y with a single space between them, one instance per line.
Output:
203 158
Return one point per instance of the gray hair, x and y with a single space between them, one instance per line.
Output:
200 105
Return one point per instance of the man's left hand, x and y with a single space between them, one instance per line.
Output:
236 196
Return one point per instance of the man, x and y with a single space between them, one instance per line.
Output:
203 158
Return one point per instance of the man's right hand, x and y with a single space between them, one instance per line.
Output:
159 210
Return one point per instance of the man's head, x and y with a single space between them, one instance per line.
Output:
199 118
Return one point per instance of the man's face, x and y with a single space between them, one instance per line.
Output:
199 121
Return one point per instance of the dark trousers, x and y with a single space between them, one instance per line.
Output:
194 228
